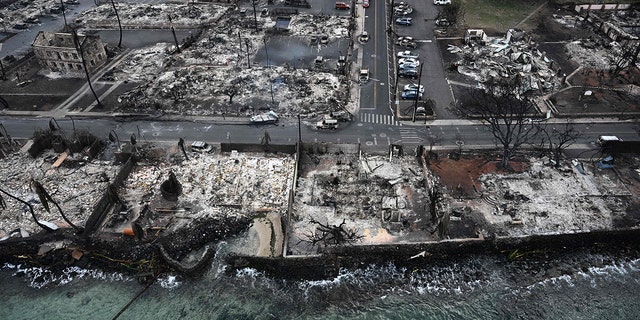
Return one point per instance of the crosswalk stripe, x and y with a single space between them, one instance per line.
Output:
378 118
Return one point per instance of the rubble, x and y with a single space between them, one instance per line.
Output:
493 57
76 185
382 199
151 15
544 200
213 186
197 81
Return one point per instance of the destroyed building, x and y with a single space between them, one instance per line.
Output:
65 52
482 57
292 202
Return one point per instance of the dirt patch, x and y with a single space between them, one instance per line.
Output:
461 176
595 101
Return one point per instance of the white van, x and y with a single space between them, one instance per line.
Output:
605 139
327 124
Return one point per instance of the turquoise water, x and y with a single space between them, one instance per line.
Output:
576 286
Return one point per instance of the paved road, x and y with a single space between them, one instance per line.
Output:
448 133
374 95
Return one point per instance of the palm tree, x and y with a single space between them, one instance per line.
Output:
80 50
119 25
3 205
181 144
45 197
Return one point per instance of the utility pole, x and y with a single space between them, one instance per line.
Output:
173 31
4 75
415 103
246 41
255 15
299 129
266 51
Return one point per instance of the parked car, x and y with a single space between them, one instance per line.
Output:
201 146
441 2
400 4
32 20
401 11
55 10
342 6
413 87
406 42
408 65
408 73
324 39
411 95
364 37
72 2
365 3
404 21
341 115
364 76
409 60
342 61
442 23
408 54
20 26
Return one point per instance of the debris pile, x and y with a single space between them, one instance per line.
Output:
505 57
217 74
590 54
204 90
75 184
544 200
383 200
306 25
213 186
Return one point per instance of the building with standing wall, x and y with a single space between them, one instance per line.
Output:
57 52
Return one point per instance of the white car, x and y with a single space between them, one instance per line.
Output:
409 60
408 65
441 2
408 54
413 87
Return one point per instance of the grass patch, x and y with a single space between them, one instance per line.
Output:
497 15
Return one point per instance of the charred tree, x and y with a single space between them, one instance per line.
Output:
332 234
627 57
560 139
506 109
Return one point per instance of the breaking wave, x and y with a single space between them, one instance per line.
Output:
38 277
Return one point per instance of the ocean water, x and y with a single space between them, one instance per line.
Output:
575 285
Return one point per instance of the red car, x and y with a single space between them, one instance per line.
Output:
365 3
